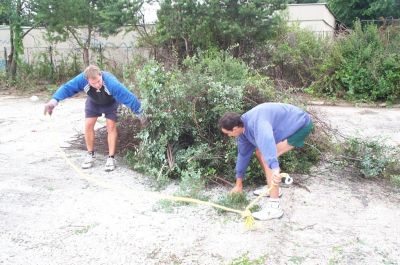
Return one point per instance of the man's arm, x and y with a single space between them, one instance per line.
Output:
121 93
67 90
245 151
75 85
266 144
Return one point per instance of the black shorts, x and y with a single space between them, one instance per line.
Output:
95 110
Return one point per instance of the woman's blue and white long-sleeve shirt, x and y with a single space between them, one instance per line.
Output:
111 86
264 126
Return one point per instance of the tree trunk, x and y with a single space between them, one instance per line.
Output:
11 60
86 47
186 46
86 56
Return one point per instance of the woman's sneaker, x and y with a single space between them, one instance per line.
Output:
88 162
257 192
272 210
110 164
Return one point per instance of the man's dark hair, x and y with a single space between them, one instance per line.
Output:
230 120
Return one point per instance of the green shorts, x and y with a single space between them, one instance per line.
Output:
297 139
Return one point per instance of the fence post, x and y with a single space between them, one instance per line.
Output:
101 55
5 58
127 55
51 61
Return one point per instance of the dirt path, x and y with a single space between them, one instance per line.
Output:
49 215
379 123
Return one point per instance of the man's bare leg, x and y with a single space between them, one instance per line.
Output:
112 135
282 147
89 139
89 133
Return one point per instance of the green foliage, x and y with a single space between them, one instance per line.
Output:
166 206
40 70
347 11
363 66
395 179
118 13
192 181
107 16
182 139
300 160
237 200
64 19
373 158
304 1
185 26
295 55
245 260
15 13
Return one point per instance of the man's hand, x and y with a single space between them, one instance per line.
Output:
143 120
238 186
48 108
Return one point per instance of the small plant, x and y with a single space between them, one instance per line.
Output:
236 200
84 229
245 260
395 180
166 206
297 259
192 183
373 158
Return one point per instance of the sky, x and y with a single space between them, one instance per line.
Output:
150 12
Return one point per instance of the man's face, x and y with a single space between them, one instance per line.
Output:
96 82
236 131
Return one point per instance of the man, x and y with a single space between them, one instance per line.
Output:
271 129
104 93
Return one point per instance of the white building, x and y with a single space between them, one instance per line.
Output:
313 16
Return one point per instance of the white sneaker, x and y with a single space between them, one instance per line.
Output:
88 162
110 164
273 210
257 192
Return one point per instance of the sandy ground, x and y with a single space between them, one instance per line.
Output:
50 215
368 123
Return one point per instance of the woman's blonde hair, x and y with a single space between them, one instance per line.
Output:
92 71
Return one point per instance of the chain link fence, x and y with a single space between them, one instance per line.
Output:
54 56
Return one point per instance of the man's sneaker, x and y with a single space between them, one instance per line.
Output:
257 192
273 210
110 164
88 162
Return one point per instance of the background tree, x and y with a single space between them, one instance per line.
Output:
305 1
347 11
16 13
80 19
3 13
185 25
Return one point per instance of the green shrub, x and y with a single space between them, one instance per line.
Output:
300 160
183 139
365 65
295 56
373 158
